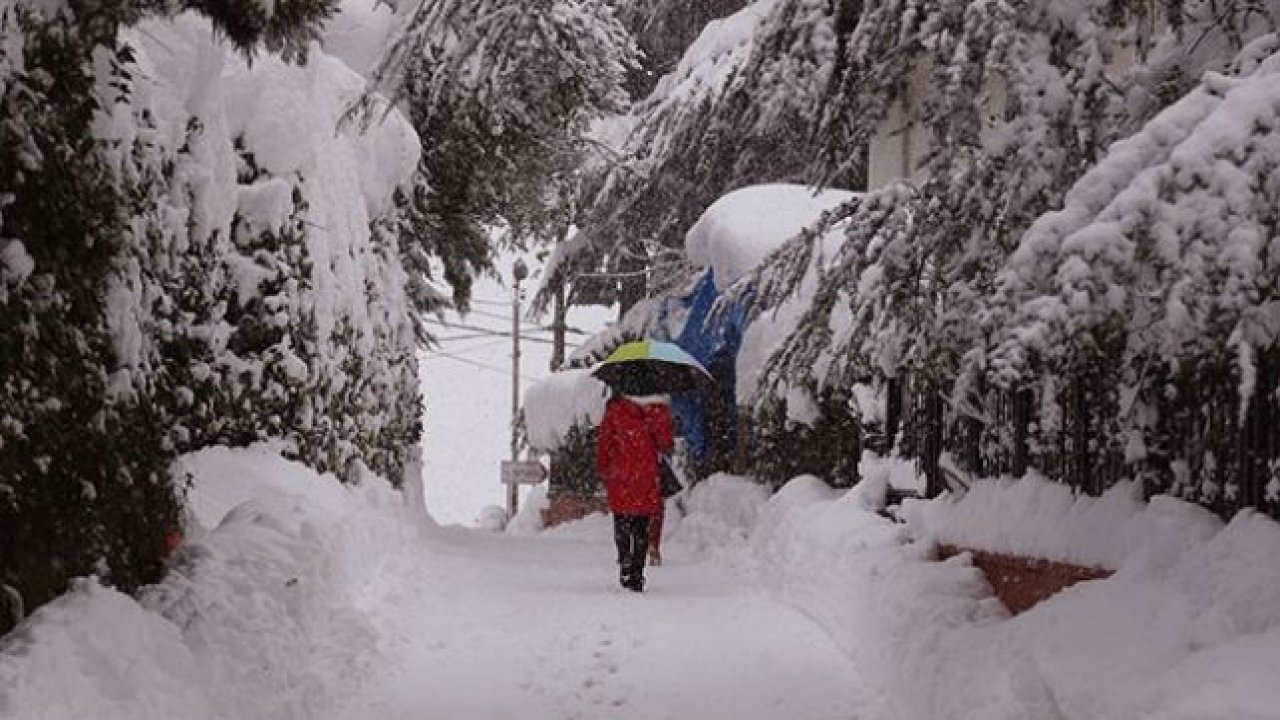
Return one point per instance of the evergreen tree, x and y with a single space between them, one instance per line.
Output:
111 292
1019 105
663 30
503 93
1159 269
735 111
103 508
1018 102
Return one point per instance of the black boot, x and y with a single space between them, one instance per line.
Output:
633 582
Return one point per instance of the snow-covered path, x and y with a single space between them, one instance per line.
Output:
535 627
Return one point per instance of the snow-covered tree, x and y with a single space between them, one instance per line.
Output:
502 92
1018 102
663 30
736 110
74 468
1161 268
154 299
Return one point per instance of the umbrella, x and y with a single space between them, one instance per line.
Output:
649 367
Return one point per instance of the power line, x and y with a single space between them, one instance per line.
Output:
469 336
486 331
507 318
477 346
529 326
486 313
480 365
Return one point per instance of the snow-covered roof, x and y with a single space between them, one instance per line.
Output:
736 233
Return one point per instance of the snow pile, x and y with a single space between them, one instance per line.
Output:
1182 630
718 516
735 234
558 402
859 576
96 653
262 615
528 517
1104 531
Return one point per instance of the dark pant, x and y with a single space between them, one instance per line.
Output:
631 534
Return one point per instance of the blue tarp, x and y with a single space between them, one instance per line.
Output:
714 339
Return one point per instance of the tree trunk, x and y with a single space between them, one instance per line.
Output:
892 416
1023 400
1079 475
934 482
559 310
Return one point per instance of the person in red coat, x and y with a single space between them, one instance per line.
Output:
632 434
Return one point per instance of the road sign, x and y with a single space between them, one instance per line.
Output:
526 472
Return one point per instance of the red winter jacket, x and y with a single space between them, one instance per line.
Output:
631 436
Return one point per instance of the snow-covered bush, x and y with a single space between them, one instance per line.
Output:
1019 104
804 435
265 612
195 250
1153 293
84 485
560 415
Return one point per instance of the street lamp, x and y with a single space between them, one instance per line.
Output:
519 271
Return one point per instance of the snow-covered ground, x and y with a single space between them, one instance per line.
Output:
536 627
297 597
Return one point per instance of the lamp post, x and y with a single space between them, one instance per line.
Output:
519 271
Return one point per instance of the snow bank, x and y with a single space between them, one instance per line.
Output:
737 231
96 653
1181 630
859 575
243 474
719 515
559 401
528 518
262 614
1105 531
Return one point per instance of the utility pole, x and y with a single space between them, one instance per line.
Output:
519 272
